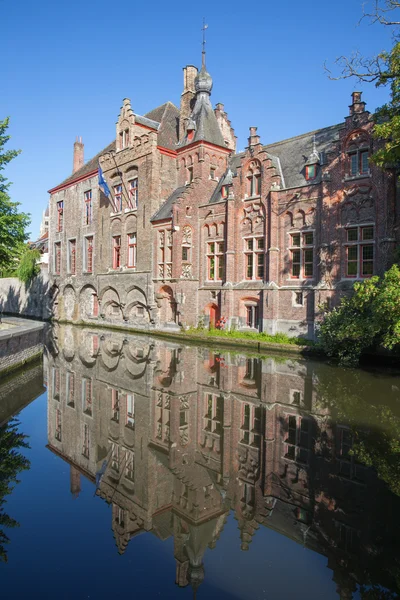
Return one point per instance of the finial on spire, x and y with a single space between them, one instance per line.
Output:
203 54
314 149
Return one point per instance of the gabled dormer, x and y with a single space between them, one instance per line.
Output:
125 125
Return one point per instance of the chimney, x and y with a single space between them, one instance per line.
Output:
78 155
357 105
254 139
187 97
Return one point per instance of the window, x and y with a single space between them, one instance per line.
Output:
60 215
87 399
86 443
132 250
88 241
254 258
189 175
57 258
88 207
254 182
72 257
130 410
133 193
302 254
297 443
94 305
115 457
116 251
124 139
359 164
56 384
118 198
214 412
225 191
311 172
359 251
251 425
252 315
298 299
165 254
215 261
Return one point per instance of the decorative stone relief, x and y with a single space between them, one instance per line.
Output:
186 271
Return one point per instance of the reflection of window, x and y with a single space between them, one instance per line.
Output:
213 417
85 445
251 372
115 457
115 397
56 384
348 465
70 389
57 258
254 256
216 261
87 399
57 433
360 251
348 538
302 254
251 425
130 410
298 438
129 468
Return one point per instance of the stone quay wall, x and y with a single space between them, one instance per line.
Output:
20 344
30 300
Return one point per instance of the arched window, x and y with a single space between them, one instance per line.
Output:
253 180
357 156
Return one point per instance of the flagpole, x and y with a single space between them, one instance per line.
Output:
120 174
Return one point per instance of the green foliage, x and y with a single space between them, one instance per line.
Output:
367 319
28 266
278 338
13 224
12 462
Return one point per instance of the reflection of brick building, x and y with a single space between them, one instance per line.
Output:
195 230
176 438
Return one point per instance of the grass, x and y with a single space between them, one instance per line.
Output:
278 338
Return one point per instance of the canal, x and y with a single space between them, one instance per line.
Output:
160 470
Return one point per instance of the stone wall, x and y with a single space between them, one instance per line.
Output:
20 344
31 300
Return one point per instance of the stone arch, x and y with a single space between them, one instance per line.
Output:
212 311
69 301
249 312
206 231
310 217
88 302
167 305
111 307
288 217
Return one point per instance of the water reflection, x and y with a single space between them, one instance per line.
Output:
174 438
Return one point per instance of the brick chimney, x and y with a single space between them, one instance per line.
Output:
357 105
78 155
254 139
187 97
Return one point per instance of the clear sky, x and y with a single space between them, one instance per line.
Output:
67 66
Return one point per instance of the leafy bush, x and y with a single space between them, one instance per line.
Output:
28 266
368 319
278 338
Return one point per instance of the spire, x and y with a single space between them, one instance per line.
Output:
203 54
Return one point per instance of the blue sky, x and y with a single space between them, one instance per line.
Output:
68 65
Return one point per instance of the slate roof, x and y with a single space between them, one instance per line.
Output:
165 210
168 116
91 165
293 153
207 128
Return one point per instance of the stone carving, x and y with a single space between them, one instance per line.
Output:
186 271
187 235
249 464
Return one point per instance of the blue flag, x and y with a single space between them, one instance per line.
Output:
103 184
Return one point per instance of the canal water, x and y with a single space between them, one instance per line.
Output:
160 470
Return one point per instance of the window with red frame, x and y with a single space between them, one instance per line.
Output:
88 207
254 257
72 257
116 251
133 193
311 172
360 251
60 215
118 198
251 425
302 255
132 248
215 261
89 254
57 258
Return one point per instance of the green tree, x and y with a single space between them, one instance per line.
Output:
13 223
382 70
28 265
367 319
12 462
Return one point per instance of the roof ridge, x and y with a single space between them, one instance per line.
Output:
296 137
159 106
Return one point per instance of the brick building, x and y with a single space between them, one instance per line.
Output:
195 230
175 438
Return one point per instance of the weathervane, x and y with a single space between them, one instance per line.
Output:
203 54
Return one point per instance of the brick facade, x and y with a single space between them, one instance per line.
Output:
194 231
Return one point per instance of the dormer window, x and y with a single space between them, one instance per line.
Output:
224 191
124 139
311 172
359 162
190 135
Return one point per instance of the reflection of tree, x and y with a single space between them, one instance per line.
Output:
12 462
